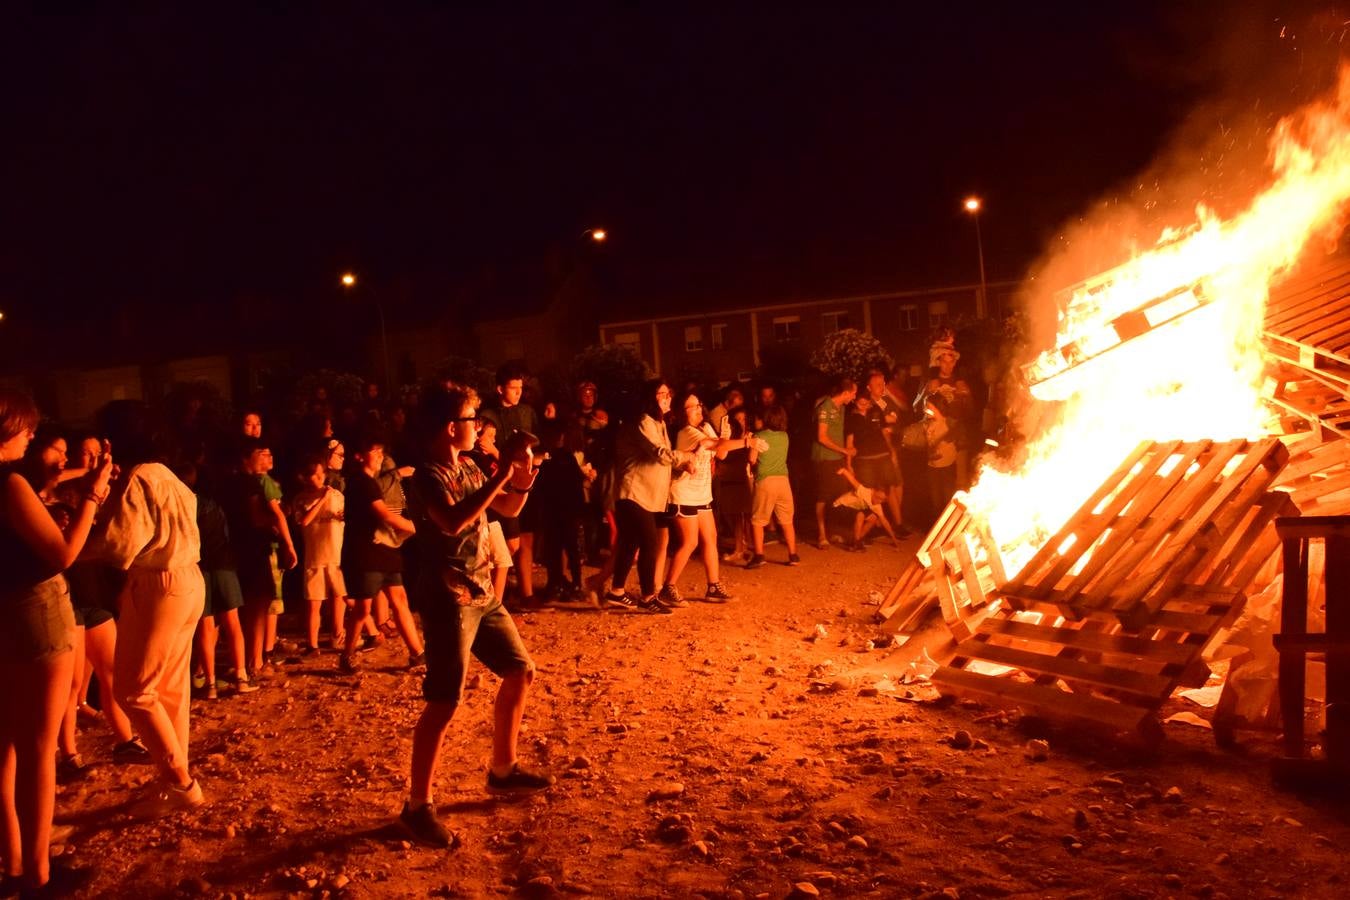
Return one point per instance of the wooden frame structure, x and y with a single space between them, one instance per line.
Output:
1113 614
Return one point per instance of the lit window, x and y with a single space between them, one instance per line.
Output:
718 338
834 321
693 338
787 328
937 313
909 317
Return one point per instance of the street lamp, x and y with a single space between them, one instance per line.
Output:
973 206
349 283
596 234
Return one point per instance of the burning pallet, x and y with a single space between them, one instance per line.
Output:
1112 615
955 568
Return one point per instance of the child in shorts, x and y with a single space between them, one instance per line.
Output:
319 510
868 511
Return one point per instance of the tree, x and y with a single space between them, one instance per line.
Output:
614 368
849 353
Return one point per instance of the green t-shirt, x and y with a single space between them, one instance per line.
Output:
774 460
829 413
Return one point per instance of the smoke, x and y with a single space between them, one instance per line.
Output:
1253 63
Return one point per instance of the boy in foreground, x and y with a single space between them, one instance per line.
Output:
461 612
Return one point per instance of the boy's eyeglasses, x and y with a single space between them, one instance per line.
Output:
476 420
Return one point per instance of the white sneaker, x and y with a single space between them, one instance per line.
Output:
165 800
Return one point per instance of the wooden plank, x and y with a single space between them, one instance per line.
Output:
951 520
969 572
1145 683
909 579
979 529
1269 455
1049 701
1050 549
1118 644
1322 456
1314 489
1141 494
1133 534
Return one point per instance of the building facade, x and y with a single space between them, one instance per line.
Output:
730 345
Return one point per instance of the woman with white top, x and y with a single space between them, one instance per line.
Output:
691 499
152 533
643 460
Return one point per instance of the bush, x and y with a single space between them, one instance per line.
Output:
852 354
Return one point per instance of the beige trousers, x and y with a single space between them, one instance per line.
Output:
152 673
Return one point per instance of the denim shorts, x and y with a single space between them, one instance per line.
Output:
222 591
365 585
37 624
454 632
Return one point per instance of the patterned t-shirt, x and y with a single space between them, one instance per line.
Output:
467 552
828 414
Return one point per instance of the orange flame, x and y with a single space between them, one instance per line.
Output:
1188 365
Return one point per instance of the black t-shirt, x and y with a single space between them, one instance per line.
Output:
215 532
237 499
868 439
360 553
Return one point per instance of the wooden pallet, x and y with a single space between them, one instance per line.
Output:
956 567
916 592
1317 477
1114 612
1306 400
1160 519
1093 671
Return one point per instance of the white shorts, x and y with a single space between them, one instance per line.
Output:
324 582
498 553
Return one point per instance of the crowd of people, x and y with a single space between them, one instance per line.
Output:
131 552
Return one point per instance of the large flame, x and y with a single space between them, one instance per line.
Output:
1198 374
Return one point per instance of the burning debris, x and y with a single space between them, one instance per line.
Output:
1190 411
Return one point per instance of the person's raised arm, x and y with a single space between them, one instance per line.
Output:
306 514
29 519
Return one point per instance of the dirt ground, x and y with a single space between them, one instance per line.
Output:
744 750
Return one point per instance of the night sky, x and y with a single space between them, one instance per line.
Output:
194 156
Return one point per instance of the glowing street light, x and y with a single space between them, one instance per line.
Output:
973 205
596 234
348 280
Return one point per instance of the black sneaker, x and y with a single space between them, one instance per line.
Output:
421 823
794 560
63 881
71 768
619 599
519 782
346 664
756 561
132 751
416 659
654 606
670 596
717 594
369 642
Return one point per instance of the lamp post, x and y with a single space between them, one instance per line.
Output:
349 283
599 235
973 206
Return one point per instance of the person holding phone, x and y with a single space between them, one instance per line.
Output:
461 612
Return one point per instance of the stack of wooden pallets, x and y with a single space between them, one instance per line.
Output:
1114 612
1306 339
